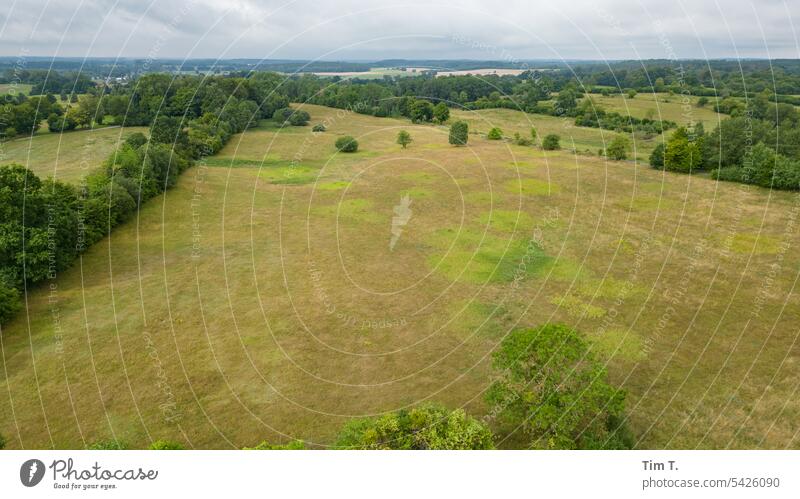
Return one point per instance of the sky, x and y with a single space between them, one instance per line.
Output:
510 30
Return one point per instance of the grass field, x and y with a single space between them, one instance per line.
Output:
68 156
661 106
263 298
16 88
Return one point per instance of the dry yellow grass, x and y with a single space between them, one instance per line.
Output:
260 299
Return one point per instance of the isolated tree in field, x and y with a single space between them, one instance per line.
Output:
631 93
495 134
553 389
459 133
521 141
421 428
551 142
441 113
421 111
533 134
346 144
403 138
618 148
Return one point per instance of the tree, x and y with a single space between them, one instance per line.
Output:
346 144
565 102
533 134
631 93
553 389
421 428
618 148
459 133
551 142
403 138
495 134
421 111
657 156
681 154
441 113
702 101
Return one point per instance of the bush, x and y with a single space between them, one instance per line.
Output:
421 111
618 148
346 144
728 174
426 427
403 138
551 142
495 134
319 127
136 140
2 441
293 445
459 133
299 118
165 445
657 156
552 388
521 141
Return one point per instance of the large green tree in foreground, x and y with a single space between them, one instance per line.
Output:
555 392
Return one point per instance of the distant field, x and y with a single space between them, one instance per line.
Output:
583 139
68 156
661 106
19 88
482 72
261 299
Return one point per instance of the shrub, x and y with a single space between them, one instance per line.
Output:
657 156
551 142
403 138
293 445
319 127
552 388
165 445
521 141
299 118
459 133
346 144
426 427
495 134
2 441
533 134
729 174
618 148
136 140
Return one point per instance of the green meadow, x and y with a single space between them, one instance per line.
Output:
276 293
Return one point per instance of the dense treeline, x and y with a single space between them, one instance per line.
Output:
754 148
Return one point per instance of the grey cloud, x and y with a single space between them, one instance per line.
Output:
358 29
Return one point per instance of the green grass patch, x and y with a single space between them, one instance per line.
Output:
618 343
335 185
507 220
746 243
289 175
477 258
531 187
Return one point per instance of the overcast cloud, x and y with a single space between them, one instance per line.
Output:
349 29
